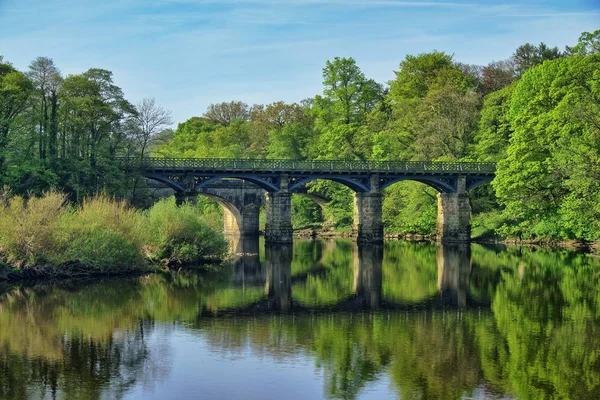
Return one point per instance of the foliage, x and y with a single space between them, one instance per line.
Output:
102 234
549 179
534 113
180 234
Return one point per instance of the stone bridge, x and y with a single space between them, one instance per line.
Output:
279 179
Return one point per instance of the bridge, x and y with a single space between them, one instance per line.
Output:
280 178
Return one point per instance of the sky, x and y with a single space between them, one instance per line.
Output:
188 54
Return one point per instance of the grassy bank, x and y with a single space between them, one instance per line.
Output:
47 236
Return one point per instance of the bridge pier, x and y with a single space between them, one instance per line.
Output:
278 227
241 223
454 215
368 224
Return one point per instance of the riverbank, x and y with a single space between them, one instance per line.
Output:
46 237
580 246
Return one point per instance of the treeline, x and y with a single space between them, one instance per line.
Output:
64 132
536 114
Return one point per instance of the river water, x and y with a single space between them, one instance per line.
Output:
319 319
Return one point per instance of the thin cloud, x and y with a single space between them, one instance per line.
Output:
362 3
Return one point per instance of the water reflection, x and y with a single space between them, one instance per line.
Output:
368 263
279 276
454 269
425 326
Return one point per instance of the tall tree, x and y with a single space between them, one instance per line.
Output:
46 79
497 75
528 56
589 43
225 113
15 89
93 111
549 181
149 119
351 94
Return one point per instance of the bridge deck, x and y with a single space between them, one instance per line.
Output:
319 166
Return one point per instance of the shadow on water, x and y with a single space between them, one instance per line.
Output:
433 321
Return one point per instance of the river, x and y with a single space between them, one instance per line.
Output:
316 319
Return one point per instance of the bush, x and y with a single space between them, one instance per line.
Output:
28 229
180 235
103 249
102 233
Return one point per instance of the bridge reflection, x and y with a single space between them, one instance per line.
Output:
275 272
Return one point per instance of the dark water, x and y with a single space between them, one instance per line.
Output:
321 319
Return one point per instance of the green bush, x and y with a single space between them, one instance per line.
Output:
28 229
179 233
104 249
102 234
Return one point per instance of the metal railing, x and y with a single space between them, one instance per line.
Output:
226 164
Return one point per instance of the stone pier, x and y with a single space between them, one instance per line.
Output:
368 224
244 223
454 215
278 227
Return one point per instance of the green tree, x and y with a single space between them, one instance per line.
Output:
15 89
549 179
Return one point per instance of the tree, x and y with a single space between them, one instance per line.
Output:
15 89
528 56
94 112
549 181
495 130
446 121
224 113
289 143
46 79
498 74
149 120
192 138
589 43
424 72
350 93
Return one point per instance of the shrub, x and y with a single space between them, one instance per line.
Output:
180 235
101 212
28 229
104 249
102 233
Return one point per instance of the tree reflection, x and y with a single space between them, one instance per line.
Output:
539 339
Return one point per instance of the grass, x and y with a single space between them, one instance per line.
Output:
102 234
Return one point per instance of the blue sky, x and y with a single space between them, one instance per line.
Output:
190 53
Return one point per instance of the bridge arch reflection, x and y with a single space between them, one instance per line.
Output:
289 287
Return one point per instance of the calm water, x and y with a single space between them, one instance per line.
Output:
319 319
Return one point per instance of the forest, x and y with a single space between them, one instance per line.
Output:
537 114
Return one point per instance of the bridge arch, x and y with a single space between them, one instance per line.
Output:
172 184
270 184
232 215
439 184
357 185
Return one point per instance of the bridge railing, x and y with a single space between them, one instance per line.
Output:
308 166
